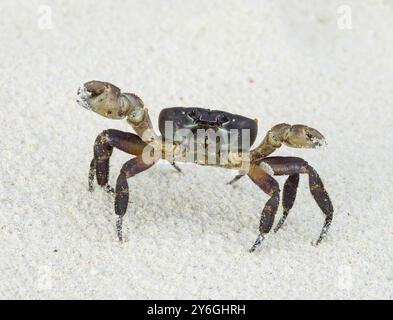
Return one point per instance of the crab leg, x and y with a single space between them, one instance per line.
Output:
270 186
293 166
288 198
174 165
103 148
236 178
129 169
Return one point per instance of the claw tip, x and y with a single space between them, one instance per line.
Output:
82 96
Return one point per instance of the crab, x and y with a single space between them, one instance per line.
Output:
180 141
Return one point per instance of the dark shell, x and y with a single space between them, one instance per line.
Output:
199 118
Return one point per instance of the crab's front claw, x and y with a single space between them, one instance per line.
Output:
103 98
301 136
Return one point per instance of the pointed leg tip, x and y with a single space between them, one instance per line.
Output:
281 222
257 243
317 242
119 228
252 249
174 165
90 186
323 235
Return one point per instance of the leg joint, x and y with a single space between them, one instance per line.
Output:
275 192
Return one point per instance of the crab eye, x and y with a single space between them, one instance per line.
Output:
194 115
222 119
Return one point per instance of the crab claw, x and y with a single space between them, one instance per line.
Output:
103 98
301 136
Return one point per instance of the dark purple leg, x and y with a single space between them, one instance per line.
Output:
236 178
271 187
176 167
293 166
103 148
288 198
322 198
129 169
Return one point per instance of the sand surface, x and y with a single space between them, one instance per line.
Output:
188 235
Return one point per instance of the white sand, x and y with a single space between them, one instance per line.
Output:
188 235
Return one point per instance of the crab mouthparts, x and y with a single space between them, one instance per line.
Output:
82 97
